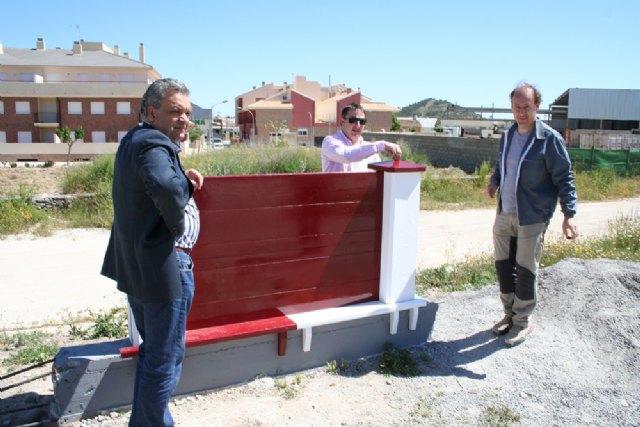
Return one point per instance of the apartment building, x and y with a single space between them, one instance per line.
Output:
90 85
303 111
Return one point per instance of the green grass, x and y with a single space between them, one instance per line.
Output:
28 348
18 213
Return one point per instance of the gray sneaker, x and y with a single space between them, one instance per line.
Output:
517 335
503 326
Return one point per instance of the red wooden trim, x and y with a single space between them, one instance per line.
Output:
273 323
397 166
282 343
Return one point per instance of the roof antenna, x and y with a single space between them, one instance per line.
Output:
79 33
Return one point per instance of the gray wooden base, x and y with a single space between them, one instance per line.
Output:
91 379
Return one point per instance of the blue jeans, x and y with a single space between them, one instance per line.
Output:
162 328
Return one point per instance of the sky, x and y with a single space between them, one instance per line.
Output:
471 52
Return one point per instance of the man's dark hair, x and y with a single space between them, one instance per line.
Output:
158 90
537 96
351 107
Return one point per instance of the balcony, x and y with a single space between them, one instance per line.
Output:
46 120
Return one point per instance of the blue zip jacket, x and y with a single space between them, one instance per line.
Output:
150 192
544 175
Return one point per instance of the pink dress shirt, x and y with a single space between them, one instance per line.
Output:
340 155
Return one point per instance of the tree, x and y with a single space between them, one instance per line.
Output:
64 133
277 129
195 133
395 124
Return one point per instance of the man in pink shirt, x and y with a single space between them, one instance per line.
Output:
346 151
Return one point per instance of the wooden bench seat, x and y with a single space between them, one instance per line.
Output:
267 322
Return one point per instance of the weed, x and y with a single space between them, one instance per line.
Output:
110 325
421 410
335 367
426 359
473 273
399 362
18 213
499 416
28 348
286 389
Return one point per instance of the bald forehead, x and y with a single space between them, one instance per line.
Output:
524 94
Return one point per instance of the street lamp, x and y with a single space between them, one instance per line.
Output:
217 103
253 121
313 142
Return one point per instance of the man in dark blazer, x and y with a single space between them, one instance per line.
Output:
154 214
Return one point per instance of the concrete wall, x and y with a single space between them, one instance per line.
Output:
465 153
53 152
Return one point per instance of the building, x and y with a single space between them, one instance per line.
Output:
416 124
303 111
580 114
89 85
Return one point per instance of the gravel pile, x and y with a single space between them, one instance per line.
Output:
580 367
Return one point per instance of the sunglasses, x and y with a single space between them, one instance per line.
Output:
353 120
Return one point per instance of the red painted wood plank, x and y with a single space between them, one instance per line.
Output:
221 254
217 311
285 222
271 321
282 190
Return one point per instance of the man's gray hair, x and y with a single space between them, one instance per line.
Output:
158 90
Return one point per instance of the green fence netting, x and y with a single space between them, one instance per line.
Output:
625 162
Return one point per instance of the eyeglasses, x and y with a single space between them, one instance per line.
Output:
353 120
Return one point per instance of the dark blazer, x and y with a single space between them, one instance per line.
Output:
150 191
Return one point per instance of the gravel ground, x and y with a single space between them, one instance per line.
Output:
578 368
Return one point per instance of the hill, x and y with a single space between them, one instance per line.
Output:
438 108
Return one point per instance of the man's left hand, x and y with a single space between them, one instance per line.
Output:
569 229
195 177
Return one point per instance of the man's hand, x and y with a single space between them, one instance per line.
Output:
491 191
393 149
569 229
195 177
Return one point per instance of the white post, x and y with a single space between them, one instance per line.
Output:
400 215
134 335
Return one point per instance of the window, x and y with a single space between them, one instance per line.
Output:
23 107
97 108
75 107
1 107
24 137
54 77
121 134
3 136
98 136
125 78
123 107
303 132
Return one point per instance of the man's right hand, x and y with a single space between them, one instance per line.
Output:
491 191
393 149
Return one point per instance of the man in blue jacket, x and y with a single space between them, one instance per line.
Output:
155 225
532 173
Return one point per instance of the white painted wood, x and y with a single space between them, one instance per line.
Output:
134 335
400 216
307 320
